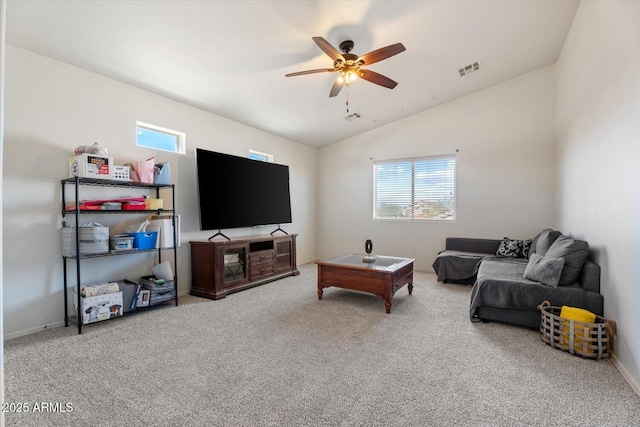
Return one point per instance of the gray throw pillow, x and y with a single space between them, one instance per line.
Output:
544 241
574 252
544 270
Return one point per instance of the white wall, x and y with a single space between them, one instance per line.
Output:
51 108
3 21
598 136
505 182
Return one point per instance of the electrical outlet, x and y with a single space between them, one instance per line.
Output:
413 251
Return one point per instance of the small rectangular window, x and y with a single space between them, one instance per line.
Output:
160 138
415 189
263 157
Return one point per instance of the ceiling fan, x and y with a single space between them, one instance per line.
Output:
350 65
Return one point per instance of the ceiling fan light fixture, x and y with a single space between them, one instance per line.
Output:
347 76
350 76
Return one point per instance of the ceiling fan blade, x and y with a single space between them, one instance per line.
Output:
302 73
328 49
378 79
382 53
336 88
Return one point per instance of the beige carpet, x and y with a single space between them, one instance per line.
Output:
276 355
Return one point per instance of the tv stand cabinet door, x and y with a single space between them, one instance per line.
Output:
285 254
217 267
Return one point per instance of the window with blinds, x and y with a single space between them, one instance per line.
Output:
415 189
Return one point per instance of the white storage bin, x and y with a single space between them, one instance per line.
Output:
99 307
90 166
93 240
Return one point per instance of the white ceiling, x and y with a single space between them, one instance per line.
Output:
230 57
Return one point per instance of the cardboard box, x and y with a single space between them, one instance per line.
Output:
90 166
99 307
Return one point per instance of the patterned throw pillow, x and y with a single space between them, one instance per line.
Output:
510 248
526 246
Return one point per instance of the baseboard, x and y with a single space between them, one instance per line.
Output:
60 324
626 374
33 330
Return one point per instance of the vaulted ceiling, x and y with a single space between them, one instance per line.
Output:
231 57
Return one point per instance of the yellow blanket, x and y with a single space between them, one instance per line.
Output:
579 315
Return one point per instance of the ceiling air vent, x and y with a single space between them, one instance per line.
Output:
469 69
353 116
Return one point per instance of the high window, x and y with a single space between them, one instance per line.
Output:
415 189
160 138
263 157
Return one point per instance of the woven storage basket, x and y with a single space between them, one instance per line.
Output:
590 340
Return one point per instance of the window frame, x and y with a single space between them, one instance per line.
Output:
413 161
181 137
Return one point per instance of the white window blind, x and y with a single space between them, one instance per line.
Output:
415 189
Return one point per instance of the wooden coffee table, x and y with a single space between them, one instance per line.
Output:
382 277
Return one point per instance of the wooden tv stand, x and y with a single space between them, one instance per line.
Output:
222 267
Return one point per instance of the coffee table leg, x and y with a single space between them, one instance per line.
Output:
387 306
319 293
410 288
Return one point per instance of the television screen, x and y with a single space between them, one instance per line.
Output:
238 192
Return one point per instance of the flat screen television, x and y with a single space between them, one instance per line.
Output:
236 192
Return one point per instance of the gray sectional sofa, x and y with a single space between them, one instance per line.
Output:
509 288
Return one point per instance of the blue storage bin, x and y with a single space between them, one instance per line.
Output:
145 240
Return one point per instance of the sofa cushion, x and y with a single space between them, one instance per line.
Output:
543 241
544 270
457 265
501 284
513 248
574 252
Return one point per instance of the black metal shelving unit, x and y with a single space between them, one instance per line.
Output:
76 212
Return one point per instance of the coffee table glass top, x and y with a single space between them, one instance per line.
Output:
381 262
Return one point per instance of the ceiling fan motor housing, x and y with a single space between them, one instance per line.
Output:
346 46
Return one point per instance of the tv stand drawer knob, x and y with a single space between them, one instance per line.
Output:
261 257
262 271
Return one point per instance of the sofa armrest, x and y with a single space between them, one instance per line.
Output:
590 276
487 246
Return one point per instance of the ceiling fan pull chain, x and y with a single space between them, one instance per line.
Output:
347 99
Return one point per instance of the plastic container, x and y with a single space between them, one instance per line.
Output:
163 271
159 293
144 240
120 242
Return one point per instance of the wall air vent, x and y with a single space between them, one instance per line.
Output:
353 116
469 69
